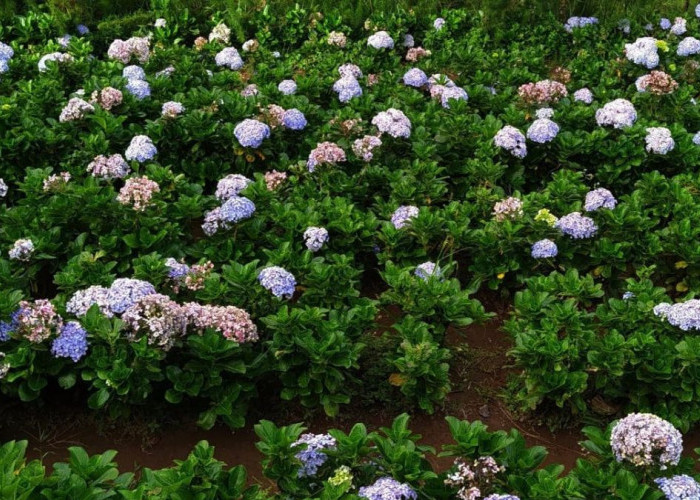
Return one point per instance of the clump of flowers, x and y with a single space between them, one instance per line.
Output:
452 93
141 149
191 278
364 148
55 182
109 167
220 33
312 456
544 113
83 300
664 23
403 215
599 198
659 140
325 153
510 208
107 98
393 122
645 440
679 26
167 71
293 119
6 53
172 109
250 45
681 487
579 22
350 69
381 40
337 39
387 488
427 269
250 90
542 92
512 140
408 40
497 496
278 281
416 54
644 51
140 89
583 95
251 133
273 179
315 237
684 315
544 249
546 216
123 51
619 113
134 72
347 87
124 292
542 130
415 77
57 57
561 74
234 210
231 185
76 109
71 342
342 475
656 82
688 46
438 23
35 321
287 87
158 317
273 115
229 58
22 250
472 477
138 192
233 323
576 225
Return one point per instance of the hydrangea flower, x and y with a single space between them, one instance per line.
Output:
82 29
229 58
22 250
312 456
544 113
55 182
599 198
644 440
315 237
250 45
579 22
83 300
158 317
337 39
688 46
438 23
134 72
273 179
236 209
138 192
293 119
408 40
35 321
220 33
387 488
403 215
231 185
542 130
544 249
287 87
696 139
364 148
124 293
123 51
393 122
250 90
350 69
659 140
172 109
577 226
167 71
6 52
347 87
427 269
278 281
233 323
108 97
141 149
619 113
542 92
497 496
251 133
417 53
681 487
643 51
160 23
656 82
325 153
697 10
3 188
76 109
510 208
57 57
679 26
112 167
380 40
452 93
512 140
684 315
71 342
415 77
140 89
583 95
664 23
546 216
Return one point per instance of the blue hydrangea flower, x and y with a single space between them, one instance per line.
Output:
450 93
427 269
388 488
176 269
229 58
576 225
599 198
251 133
141 149
681 487
403 215
665 23
5 330
347 87
278 281
134 72
82 29
138 88
583 95
579 22
287 87
415 77
643 51
497 496
124 292
6 52
380 40
544 249
512 140
293 119
231 185
688 46
315 237
542 130
311 457
236 209
71 342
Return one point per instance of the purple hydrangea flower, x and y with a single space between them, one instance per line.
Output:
229 58
311 457
6 52
497 496
579 22
71 342
112 167
176 269
684 315
138 88
619 113
512 140
57 57
387 488
287 87
393 122
644 440
665 23
450 93
543 113
599 198
141 149
583 95
231 185
688 46
251 133
427 269
236 209
83 300
681 487
293 119
415 77
643 51
350 69
544 249
542 130
402 215
124 293
134 72
82 29
347 87
171 109
659 140
380 40
438 23
408 40
278 281
576 225
315 237
364 148
22 250
679 26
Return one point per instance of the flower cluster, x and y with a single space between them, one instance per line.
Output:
250 45
293 119
393 122
141 149
325 153
312 456
107 98
347 87
452 93
644 440
172 109
577 226
231 185
220 33
251 133
315 237
415 77
55 182
57 57
656 82
688 46
364 148
579 22
35 321
542 92
233 323
619 113
229 58
544 249
22 250
681 487
427 269
679 26
125 292
71 342
191 278
82 300
278 281
659 140
140 89
138 192
497 496
273 179
471 478
134 72
643 51
109 167
512 140
157 316
6 53
416 54
287 87
510 208
342 475
123 51
583 95
250 90
542 130
337 39
387 488
599 198
381 40
544 215
232 211
403 215
76 109
684 315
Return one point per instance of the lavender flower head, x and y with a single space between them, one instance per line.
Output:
659 140
681 487
22 250
83 300
233 323
688 46
35 321
112 167
176 269
250 90
287 87
347 87
643 51
679 26
512 140
427 269
71 342
3 188
6 52
665 23
325 153
696 139
107 97
439 23
452 93
380 40
82 29
312 456
278 281
697 10
141 149
158 317
408 40
315 237
510 208
415 77
393 122
350 69
387 488
76 109
140 89
599 198
542 130
364 148
57 57
583 95
293 119
497 496
229 58
544 249
124 293
134 72
231 186
579 22
236 209
577 226
644 440
619 113
251 133
172 109
544 113
684 315
403 215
